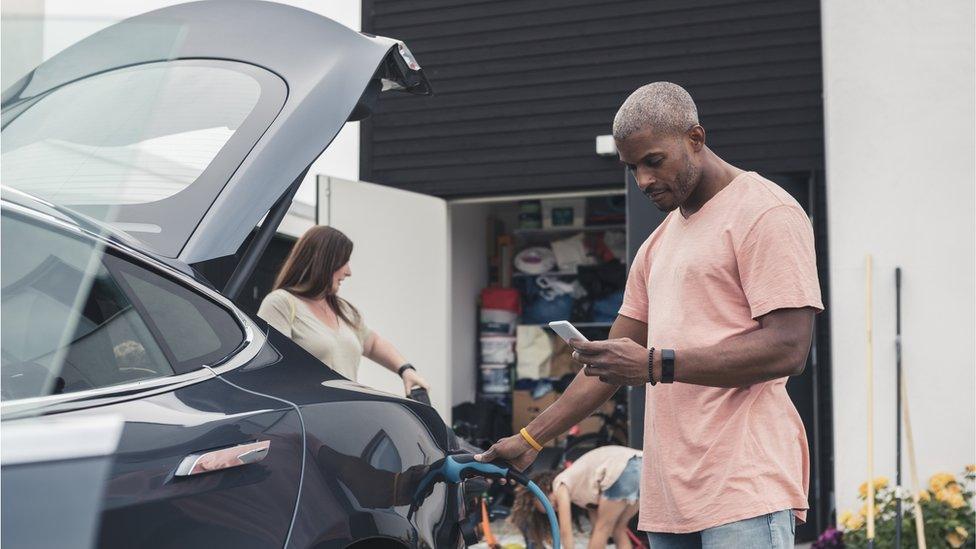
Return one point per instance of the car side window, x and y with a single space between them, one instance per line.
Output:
77 317
194 330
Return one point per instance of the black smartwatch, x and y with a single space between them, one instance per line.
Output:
667 365
404 368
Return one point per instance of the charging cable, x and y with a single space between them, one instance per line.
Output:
454 469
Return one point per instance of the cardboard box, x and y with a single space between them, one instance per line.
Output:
563 212
525 409
562 362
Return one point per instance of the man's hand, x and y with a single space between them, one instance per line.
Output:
620 361
514 449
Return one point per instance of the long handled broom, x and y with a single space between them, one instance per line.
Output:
898 508
919 522
870 404
903 405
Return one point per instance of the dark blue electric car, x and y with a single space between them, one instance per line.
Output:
131 157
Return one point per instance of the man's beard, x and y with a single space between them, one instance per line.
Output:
685 182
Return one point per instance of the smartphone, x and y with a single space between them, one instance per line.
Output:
566 330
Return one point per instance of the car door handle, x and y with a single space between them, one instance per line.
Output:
226 458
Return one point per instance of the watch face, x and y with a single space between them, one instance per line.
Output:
667 365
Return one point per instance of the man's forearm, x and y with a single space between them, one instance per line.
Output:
582 397
585 394
743 360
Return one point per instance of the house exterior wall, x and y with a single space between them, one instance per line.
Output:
898 104
523 88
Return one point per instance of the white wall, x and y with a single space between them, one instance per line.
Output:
898 95
401 277
67 21
469 274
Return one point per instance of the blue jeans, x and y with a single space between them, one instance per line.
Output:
627 485
772 531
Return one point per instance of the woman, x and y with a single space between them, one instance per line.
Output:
306 307
604 481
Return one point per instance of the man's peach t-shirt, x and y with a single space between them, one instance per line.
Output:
711 455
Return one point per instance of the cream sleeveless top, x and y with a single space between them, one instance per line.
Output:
340 349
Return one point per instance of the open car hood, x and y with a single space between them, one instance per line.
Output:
183 126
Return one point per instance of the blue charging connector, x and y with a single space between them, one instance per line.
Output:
454 469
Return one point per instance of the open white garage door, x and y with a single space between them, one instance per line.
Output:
400 275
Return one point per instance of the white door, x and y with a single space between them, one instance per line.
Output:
400 276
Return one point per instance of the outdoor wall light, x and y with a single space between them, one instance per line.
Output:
605 145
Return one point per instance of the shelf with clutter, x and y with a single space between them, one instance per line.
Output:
549 259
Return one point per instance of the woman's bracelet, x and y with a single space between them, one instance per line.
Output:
404 368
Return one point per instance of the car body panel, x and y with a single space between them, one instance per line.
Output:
54 473
146 505
366 452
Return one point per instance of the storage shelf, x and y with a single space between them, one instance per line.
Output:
587 229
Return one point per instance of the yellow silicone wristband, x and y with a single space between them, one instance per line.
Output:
528 438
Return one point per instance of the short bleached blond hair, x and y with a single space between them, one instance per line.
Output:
661 106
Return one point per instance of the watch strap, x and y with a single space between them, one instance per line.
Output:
667 365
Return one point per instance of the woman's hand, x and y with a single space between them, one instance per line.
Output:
412 379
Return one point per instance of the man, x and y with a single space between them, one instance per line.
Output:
718 312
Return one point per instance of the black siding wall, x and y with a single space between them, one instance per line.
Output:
523 88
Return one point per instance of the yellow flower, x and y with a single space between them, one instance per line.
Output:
962 532
941 495
940 480
924 495
855 522
954 539
864 510
956 501
879 483
971 468
954 488
844 518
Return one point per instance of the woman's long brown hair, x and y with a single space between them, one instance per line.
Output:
533 524
309 268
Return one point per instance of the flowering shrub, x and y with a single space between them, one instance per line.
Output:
947 508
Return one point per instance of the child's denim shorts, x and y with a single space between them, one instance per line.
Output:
627 486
